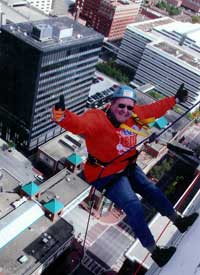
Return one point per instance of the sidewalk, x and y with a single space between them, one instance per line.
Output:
112 217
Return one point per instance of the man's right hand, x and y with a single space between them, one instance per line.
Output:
57 114
59 110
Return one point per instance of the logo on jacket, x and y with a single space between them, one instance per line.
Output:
127 139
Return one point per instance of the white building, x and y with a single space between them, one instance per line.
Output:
43 5
165 53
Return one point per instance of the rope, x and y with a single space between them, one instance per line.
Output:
149 139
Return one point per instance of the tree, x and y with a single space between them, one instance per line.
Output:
11 145
195 19
116 71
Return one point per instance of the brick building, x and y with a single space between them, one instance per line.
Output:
193 5
109 17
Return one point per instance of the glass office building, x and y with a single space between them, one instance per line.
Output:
39 61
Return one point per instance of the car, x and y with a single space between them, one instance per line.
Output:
39 177
95 97
95 80
100 78
115 86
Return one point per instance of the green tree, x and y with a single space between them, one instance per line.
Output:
11 145
195 19
116 71
158 170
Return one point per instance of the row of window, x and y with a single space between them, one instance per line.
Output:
71 93
172 72
185 69
67 54
65 86
45 125
75 66
148 73
82 88
64 74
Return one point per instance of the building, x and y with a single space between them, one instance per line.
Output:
192 5
31 242
40 61
66 187
165 53
33 230
17 11
108 17
55 153
188 4
45 6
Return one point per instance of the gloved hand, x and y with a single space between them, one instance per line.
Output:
182 94
58 110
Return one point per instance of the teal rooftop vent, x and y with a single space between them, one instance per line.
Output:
54 206
31 188
75 159
161 122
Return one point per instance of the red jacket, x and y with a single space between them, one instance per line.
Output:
104 141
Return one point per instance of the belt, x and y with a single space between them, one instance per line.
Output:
94 161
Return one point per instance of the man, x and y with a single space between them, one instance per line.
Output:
109 135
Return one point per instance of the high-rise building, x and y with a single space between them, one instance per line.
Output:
44 5
165 53
39 61
109 17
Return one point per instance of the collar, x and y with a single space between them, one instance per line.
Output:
112 119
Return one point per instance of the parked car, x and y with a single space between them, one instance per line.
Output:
95 80
100 78
115 86
39 177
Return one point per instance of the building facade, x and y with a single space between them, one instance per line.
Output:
43 5
193 5
164 53
39 62
108 17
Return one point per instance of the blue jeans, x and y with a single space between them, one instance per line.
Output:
123 194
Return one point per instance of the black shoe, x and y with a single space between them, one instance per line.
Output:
162 255
182 223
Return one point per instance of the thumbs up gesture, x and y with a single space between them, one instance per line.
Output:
58 110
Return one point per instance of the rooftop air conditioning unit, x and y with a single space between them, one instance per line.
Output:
42 32
62 32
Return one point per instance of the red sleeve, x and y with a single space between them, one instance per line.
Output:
77 124
156 109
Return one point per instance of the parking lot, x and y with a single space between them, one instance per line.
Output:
101 90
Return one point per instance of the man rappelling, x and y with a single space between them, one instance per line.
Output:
109 134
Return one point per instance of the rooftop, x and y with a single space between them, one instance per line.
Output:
31 188
179 54
75 32
169 36
20 13
60 147
149 25
75 189
40 240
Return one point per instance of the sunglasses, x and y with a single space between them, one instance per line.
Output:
122 106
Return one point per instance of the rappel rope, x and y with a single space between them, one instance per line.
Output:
151 138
